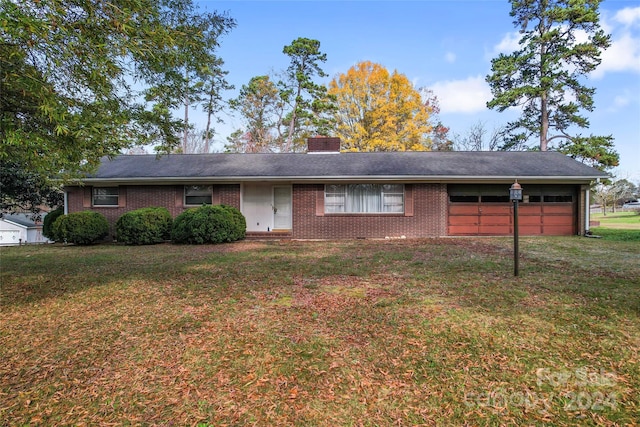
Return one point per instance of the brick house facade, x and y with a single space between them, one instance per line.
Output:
325 194
424 216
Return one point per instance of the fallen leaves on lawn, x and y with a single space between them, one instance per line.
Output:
418 332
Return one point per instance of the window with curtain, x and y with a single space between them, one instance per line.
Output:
364 198
197 194
105 196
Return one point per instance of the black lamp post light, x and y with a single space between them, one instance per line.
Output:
515 195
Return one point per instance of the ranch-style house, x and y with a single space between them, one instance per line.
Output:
328 194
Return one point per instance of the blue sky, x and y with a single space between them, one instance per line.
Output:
446 46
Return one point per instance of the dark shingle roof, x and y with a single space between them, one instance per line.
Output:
427 166
24 220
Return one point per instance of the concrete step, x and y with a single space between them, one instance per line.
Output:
268 235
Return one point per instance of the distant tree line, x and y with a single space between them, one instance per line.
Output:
84 80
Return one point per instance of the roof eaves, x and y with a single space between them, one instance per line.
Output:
20 224
333 178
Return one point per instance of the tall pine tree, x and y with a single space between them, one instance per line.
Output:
560 45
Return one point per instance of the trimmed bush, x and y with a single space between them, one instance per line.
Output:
146 226
239 222
47 223
208 224
81 228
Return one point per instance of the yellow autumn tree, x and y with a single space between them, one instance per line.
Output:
380 111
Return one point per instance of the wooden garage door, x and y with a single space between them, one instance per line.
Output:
497 219
479 219
548 211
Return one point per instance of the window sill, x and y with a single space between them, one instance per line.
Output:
359 214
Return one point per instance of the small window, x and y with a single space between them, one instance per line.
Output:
105 196
535 199
197 195
334 198
558 199
463 199
495 199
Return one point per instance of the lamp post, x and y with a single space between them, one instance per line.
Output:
515 195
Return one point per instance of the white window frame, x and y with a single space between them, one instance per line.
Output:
202 191
105 193
336 199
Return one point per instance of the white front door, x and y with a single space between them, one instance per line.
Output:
266 206
256 206
282 208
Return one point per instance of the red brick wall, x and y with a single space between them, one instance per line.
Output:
428 220
323 144
144 196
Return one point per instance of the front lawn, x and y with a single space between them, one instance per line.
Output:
627 220
401 332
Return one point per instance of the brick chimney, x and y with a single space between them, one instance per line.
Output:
323 144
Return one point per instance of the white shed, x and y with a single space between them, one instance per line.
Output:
20 229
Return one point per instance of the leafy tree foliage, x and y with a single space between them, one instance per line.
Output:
439 138
22 190
84 79
260 105
561 43
478 138
280 112
614 192
47 223
309 102
380 111
214 84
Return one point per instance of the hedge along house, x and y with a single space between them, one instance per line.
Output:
326 194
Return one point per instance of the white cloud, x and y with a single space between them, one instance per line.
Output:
450 57
462 96
508 44
622 55
620 102
628 16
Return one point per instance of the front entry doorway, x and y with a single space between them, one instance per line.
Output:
267 207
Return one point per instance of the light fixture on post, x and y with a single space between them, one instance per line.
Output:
515 195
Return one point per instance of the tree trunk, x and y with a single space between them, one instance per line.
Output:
544 128
186 113
544 113
292 125
186 126
206 132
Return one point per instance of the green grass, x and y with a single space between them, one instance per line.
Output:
413 332
618 220
616 234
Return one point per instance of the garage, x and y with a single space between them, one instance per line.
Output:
485 210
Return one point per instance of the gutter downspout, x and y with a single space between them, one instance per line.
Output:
66 202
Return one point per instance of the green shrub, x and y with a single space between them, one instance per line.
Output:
207 224
81 228
146 226
239 222
47 223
